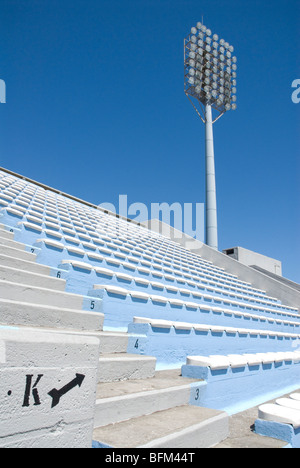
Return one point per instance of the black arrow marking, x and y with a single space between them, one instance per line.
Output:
57 394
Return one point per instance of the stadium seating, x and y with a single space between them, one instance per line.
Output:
68 269
281 419
234 381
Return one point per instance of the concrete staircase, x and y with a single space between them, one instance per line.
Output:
29 296
131 397
155 412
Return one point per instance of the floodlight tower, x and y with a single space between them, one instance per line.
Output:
210 85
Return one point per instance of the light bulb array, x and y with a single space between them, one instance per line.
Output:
210 69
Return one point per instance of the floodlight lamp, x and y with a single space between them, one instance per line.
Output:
233 90
227 107
210 69
233 106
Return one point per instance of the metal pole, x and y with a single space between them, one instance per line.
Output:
211 201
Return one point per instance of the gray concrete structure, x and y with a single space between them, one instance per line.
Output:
250 258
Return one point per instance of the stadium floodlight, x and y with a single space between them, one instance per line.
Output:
210 85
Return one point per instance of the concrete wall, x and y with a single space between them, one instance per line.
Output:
274 288
48 388
248 257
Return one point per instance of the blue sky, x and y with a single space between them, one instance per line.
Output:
96 108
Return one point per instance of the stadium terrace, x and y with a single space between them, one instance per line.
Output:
115 335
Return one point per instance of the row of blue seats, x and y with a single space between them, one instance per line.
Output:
120 305
118 259
51 253
174 247
171 342
64 229
234 383
126 247
84 275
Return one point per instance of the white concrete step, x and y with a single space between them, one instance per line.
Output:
113 342
122 366
48 384
17 253
30 266
180 427
36 295
11 243
6 234
14 313
120 401
35 279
